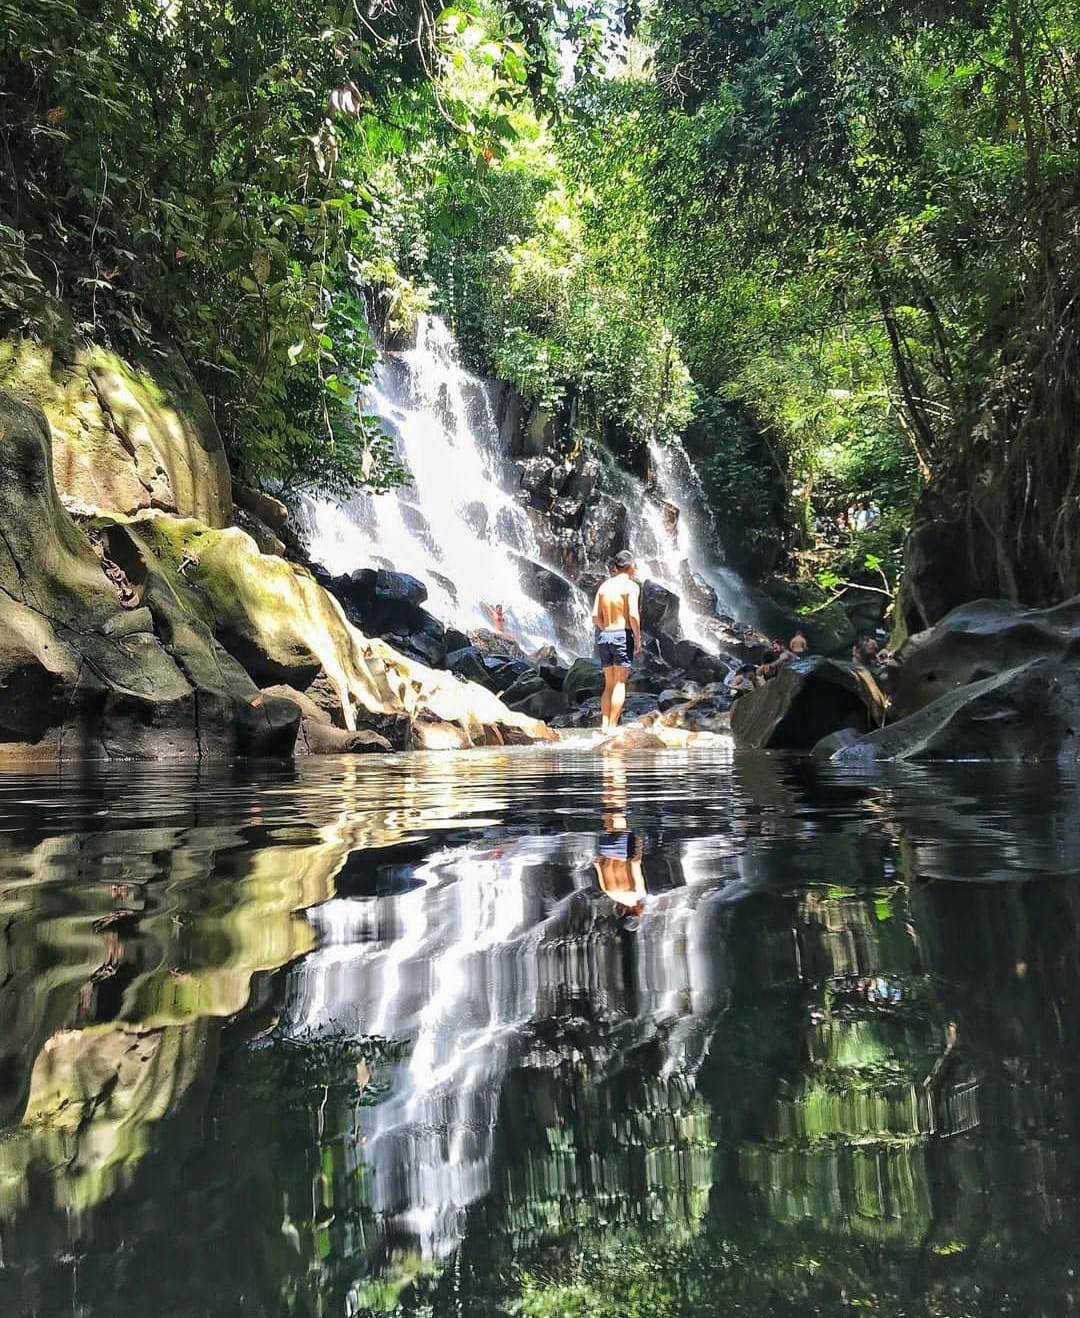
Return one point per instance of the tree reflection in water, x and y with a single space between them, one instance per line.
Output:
368 1037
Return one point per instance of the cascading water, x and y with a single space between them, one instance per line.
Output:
456 528
460 527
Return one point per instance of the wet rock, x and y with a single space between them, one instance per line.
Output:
808 699
399 587
977 641
319 736
268 542
271 512
428 646
584 678
704 713
530 683
554 675
496 646
659 610
78 678
1031 712
439 735
671 697
633 739
543 585
827 747
696 590
587 714
536 475
505 674
653 674
547 654
447 585
508 410
698 663
939 573
468 664
603 530
544 704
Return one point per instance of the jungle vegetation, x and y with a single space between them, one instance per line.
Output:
834 245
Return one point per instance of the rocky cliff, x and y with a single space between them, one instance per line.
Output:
146 626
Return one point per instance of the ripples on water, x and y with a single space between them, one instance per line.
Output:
539 1033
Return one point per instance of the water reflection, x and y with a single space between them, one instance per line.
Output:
536 1029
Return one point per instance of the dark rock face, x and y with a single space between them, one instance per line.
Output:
551 590
939 575
318 734
806 701
270 511
698 664
468 663
659 609
1027 713
978 640
543 703
82 677
388 604
603 530
587 715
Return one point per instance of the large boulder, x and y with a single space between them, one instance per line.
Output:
124 435
584 678
978 640
603 530
939 572
1027 713
83 676
805 701
319 736
283 627
659 610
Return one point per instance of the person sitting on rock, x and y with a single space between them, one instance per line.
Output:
745 679
617 621
865 652
798 643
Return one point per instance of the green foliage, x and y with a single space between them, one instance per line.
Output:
205 171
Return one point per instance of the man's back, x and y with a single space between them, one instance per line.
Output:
616 602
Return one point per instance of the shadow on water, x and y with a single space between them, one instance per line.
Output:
539 1032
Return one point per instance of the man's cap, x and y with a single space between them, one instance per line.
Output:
624 558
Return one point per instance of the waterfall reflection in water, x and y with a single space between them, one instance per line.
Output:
409 1035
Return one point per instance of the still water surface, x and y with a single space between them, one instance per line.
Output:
540 1033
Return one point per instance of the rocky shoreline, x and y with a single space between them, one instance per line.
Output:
149 612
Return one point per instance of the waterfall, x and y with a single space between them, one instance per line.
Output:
457 527
461 526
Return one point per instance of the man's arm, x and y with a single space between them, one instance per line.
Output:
633 617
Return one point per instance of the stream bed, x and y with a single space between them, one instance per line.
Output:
540 1032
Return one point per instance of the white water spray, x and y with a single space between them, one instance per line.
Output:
460 527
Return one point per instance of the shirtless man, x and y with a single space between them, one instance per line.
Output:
618 625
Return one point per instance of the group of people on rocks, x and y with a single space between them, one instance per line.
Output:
616 618
748 677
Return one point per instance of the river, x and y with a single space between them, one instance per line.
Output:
539 1032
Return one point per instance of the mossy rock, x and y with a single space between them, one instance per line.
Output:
126 435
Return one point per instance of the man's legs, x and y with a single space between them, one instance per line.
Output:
614 697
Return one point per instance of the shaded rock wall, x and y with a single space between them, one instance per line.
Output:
125 436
